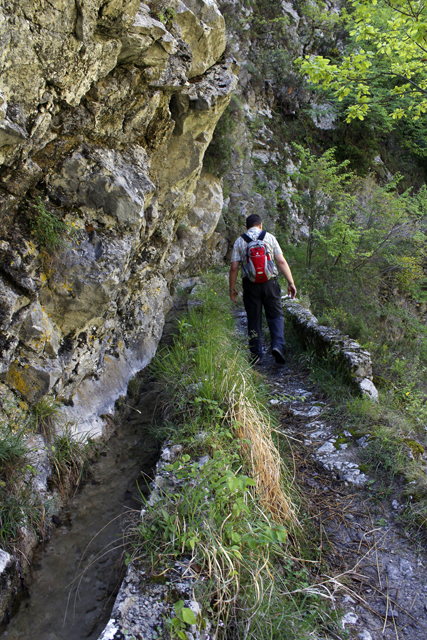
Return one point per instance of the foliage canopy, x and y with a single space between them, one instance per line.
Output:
384 61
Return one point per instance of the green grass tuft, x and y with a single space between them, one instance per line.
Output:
69 456
51 232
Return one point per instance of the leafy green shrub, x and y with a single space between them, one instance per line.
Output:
346 322
320 191
365 273
214 516
183 617
166 15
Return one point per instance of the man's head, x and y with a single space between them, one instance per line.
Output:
253 221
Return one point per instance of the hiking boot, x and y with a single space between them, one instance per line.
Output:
278 355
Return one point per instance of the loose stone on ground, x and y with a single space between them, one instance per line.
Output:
385 576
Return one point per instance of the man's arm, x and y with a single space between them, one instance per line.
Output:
232 279
284 268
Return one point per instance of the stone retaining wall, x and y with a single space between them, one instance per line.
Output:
143 604
354 359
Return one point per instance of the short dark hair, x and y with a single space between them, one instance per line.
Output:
253 221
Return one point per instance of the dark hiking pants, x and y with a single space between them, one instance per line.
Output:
255 297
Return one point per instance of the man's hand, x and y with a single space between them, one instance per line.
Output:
232 279
284 268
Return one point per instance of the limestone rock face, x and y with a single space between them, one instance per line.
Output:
110 186
106 111
269 97
203 28
197 227
58 45
38 332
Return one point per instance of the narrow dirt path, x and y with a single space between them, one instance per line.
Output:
384 571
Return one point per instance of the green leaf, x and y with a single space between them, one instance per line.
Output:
281 534
233 483
176 623
188 616
178 606
250 482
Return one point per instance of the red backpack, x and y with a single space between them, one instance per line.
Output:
259 265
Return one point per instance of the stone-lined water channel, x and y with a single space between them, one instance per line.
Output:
76 575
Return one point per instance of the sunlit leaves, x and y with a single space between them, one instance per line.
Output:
388 45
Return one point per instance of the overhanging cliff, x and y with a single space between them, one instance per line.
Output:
107 110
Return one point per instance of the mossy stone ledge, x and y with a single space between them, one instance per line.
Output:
354 360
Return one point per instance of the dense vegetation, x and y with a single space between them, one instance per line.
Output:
383 64
24 430
345 144
236 511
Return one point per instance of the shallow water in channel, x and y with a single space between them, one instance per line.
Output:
76 575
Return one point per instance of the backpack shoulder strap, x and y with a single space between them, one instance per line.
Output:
247 239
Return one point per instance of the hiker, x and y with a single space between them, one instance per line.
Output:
256 250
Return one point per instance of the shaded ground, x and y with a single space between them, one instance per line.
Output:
384 571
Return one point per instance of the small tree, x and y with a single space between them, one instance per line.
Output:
321 188
377 229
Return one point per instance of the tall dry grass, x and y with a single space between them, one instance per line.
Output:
253 428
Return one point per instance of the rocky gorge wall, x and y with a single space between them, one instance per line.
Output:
265 116
107 108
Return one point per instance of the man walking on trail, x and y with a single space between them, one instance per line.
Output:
255 250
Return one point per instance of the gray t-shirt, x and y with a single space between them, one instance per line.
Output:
239 249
